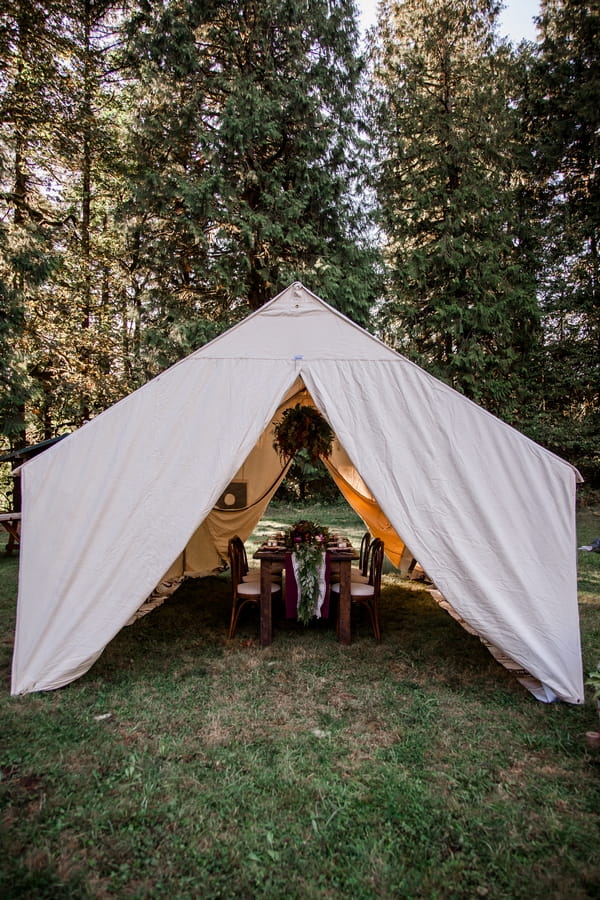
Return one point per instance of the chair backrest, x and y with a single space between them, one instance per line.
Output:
238 543
363 559
236 561
376 552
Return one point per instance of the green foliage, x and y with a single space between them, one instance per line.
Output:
13 380
27 257
309 559
461 292
305 482
562 110
307 541
244 147
54 105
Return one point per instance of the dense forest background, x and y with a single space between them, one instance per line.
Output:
167 166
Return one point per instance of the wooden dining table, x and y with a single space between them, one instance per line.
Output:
270 556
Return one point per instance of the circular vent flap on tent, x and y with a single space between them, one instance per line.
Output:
233 497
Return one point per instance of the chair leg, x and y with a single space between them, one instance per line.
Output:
362 603
375 620
373 611
235 614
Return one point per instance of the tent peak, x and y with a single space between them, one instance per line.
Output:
297 325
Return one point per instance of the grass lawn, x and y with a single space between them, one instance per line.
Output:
185 765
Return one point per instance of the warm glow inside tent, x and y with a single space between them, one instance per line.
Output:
153 488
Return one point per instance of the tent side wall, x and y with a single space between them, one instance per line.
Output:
108 510
488 513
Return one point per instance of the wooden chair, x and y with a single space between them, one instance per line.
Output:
361 572
249 575
242 592
367 595
358 572
241 549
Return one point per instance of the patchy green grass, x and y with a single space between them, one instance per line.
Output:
184 765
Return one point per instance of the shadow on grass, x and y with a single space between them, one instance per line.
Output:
418 638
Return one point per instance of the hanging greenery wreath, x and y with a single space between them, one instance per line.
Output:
302 427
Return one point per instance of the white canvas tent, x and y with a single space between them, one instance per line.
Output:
132 497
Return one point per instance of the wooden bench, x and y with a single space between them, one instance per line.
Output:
11 522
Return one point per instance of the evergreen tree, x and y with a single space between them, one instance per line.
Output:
564 106
87 302
241 184
449 178
59 135
28 41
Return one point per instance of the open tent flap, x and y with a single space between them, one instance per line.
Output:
243 502
238 510
362 501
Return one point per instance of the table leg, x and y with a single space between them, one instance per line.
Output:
344 634
266 603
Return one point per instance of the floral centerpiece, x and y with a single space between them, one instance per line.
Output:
308 541
306 532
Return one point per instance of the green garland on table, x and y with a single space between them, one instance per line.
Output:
308 541
309 559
